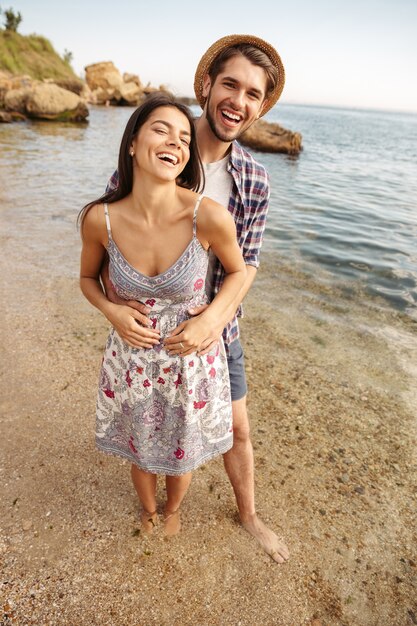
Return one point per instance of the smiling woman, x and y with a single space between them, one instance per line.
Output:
156 133
161 404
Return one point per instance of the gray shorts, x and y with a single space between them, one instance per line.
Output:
236 363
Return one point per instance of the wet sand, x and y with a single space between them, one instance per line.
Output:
332 403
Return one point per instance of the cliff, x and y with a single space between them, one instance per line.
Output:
34 56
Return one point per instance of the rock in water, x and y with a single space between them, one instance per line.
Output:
108 86
16 99
50 102
270 137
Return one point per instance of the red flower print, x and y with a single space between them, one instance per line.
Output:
191 364
153 320
128 379
139 370
178 381
109 393
161 380
131 446
210 359
146 383
166 370
199 405
114 353
150 302
212 372
190 391
179 453
198 284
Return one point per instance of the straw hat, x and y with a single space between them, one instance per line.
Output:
232 40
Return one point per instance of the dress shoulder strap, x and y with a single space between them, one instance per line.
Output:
197 204
107 216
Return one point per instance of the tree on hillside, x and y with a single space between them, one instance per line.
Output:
67 56
12 19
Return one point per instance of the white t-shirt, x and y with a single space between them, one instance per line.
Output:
218 187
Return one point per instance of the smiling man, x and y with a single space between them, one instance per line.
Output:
238 80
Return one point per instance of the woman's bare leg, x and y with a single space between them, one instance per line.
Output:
177 487
145 485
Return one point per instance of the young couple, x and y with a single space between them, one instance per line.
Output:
172 390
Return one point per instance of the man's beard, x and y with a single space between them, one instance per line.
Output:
227 138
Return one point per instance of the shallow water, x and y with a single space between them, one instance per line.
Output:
348 204
343 213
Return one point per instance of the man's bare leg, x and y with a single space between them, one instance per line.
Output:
240 469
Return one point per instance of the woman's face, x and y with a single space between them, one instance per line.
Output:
162 146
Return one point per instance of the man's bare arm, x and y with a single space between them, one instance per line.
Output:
250 277
113 297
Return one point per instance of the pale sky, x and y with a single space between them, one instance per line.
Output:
356 53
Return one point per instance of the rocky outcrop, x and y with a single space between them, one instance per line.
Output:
41 100
15 99
270 137
50 102
108 86
74 85
7 118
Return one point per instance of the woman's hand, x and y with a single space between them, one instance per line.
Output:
127 322
198 334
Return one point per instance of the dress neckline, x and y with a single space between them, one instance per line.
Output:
113 243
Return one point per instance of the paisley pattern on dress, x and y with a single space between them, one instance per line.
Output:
167 414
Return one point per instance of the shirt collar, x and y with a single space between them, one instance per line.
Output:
236 156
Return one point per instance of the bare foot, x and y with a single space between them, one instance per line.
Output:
277 550
172 523
148 521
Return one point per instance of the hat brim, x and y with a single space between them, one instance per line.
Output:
212 53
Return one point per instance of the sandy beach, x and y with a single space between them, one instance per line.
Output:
332 404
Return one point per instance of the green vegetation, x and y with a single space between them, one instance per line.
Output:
67 56
32 55
12 19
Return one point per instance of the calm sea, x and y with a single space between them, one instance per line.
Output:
344 211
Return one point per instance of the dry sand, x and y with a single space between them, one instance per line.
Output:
332 410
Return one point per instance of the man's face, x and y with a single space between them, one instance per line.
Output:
235 99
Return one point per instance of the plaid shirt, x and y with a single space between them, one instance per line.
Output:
248 203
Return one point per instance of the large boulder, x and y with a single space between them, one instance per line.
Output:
103 75
50 102
130 94
23 96
108 86
270 137
9 82
16 99
70 84
4 86
132 78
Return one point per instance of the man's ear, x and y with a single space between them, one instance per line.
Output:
264 105
206 85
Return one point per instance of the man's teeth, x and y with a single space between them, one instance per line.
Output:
168 157
231 116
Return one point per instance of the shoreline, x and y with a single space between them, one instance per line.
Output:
331 401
